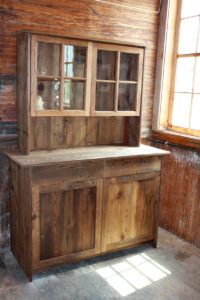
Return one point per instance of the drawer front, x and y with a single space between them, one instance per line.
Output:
68 172
129 166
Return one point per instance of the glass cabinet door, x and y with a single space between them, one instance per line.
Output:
128 79
118 80
59 77
74 77
48 76
105 83
80 78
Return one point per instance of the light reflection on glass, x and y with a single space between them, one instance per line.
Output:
69 56
74 61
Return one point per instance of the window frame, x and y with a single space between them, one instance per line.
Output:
165 79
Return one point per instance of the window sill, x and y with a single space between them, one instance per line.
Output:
177 139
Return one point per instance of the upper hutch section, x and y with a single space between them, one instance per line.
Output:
79 78
66 77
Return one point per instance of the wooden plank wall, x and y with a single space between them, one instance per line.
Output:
143 4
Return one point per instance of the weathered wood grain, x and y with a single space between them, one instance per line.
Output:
151 6
73 229
23 92
20 204
81 154
60 132
128 210
14 199
67 223
131 165
69 172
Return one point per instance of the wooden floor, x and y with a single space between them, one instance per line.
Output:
172 271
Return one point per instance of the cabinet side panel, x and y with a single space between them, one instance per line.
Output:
14 208
26 223
156 207
145 207
23 92
20 214
61 132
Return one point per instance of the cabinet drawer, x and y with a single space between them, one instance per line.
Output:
69 172
129 166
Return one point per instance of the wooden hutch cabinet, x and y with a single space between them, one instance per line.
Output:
82 184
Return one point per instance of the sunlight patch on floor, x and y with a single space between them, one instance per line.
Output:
134 273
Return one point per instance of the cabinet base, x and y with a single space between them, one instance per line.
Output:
152 243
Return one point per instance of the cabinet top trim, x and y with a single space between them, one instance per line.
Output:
81 38
84 153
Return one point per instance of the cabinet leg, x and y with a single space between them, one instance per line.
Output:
30 278
154 244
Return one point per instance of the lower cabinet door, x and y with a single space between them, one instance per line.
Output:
66 222
130 210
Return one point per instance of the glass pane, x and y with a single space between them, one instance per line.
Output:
127 97
74 61
188 35
128 66
190 8
106 64
181 110
184 74
197 76
48 94
48 59
105 96
74 94
195 117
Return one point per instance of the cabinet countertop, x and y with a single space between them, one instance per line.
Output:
47 157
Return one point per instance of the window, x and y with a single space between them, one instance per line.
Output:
82 78
177 97
186 90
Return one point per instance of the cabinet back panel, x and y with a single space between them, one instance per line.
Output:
67 222
62 132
